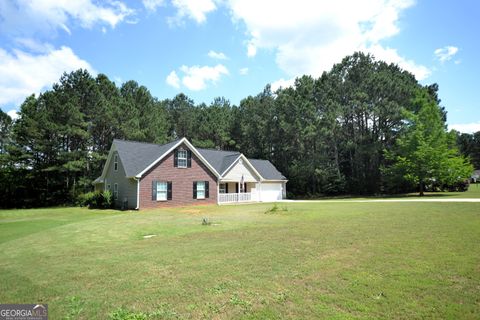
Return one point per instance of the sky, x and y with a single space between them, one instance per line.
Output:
233 48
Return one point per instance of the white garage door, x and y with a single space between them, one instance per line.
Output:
271 191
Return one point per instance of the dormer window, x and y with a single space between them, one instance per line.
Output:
182 158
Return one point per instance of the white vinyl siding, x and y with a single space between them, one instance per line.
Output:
127 187
162 191
238 170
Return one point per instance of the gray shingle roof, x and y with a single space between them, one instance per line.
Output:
267 170
98 180
219 159
137 156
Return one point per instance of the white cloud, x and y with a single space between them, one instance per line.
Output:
251 50
22 73
29 17
243 71
446 53
466 127
13 114
173 80
197 78
217 55
310 36
152 5
282 83
33 45
193 9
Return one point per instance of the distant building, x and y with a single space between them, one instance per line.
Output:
475 176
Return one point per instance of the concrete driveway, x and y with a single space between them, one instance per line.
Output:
393 200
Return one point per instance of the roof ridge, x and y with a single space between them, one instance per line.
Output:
143 142
211 149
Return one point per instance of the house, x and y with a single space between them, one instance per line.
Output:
475 177
144 175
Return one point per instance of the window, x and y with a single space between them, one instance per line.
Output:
223 188
182 159
115 191
162 188
200 189
109 187
115 163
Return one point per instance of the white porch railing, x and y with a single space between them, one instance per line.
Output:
234 197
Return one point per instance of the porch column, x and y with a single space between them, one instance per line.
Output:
260 191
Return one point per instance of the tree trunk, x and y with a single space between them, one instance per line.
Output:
422 186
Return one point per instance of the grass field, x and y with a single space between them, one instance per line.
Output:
304 260
473 192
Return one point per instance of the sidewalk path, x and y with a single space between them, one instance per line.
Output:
393 200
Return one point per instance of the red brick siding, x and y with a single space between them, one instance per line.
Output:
182 183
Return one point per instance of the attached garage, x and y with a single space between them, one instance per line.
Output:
272 191
273 185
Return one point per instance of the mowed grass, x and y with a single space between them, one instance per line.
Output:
472 192
302 261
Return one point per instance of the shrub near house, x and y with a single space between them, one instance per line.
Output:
96 200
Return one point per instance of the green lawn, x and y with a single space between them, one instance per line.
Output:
305 260
473 192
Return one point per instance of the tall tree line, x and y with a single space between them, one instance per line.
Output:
469 144
328 135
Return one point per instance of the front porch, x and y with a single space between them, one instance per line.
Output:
232 192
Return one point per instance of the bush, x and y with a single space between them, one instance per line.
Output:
107 199
459 186
276 209
96 200
206 221
272 209
85 199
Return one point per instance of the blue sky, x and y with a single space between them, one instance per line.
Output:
233 48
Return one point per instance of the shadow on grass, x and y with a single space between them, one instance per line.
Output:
440 194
